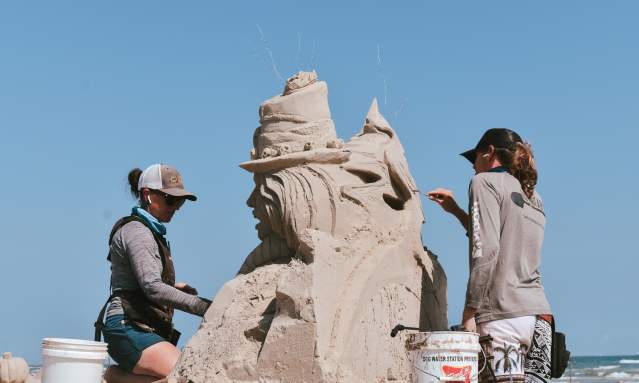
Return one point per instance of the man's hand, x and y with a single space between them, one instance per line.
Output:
185 288
468 319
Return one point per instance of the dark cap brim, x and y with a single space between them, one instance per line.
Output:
470 155
177 192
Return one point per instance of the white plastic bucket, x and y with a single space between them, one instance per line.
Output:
72 360
444 356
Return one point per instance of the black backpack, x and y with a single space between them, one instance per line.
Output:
559 355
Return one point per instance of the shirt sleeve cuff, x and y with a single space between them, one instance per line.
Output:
473 304
202 306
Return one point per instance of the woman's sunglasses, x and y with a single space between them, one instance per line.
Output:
170 199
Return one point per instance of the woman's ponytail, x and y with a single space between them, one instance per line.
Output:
134 178
523 168
520 162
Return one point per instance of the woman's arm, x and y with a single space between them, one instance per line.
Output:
144 258
445 199
484 233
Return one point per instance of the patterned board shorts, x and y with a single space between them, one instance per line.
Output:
518 350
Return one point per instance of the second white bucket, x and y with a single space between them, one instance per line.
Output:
444 356
72 360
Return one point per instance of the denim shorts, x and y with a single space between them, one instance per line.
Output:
126 341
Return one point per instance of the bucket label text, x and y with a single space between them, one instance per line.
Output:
450 358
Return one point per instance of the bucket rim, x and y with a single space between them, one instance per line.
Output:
447 332
72 342
446 341
78 345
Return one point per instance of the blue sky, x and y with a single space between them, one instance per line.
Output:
89 90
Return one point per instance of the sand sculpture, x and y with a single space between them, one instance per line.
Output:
340 260
13 370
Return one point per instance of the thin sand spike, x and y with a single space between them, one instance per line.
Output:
269 52
380 69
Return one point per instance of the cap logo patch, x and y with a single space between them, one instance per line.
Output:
173 179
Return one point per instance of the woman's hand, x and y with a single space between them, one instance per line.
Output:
468 319
185 288
445 199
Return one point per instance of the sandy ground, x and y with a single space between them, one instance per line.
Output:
34 378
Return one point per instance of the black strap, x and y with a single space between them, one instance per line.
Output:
99 323
121 222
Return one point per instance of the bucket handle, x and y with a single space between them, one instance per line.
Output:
444 379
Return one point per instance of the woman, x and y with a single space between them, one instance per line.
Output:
138 326
504 296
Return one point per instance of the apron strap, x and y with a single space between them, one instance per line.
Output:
99 323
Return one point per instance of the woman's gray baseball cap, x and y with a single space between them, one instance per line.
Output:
166 179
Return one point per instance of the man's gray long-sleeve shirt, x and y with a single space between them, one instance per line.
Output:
506 232
136 264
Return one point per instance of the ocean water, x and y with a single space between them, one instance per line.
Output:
602 369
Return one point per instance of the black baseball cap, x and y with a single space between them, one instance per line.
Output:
497 137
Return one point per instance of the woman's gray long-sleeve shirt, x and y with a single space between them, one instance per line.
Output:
136 264
506 232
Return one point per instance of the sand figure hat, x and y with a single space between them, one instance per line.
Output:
296 128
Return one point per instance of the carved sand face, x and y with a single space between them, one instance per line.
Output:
252 203
255 202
